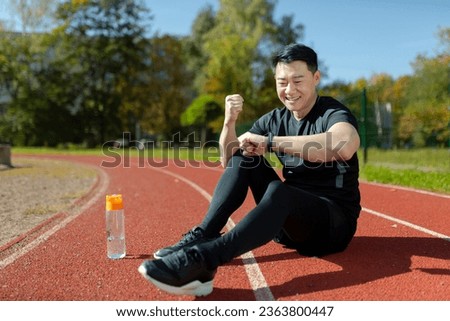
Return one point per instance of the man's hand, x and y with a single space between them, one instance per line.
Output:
233 106
252 144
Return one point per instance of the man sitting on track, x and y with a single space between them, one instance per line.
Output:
313 210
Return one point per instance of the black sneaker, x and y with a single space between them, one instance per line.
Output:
191 238
183 272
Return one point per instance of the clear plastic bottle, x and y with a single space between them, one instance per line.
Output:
115 227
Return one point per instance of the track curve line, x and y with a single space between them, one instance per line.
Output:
408 224
408 189
256 278
73 213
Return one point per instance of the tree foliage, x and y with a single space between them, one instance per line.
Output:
426 116
202 114
167 87
105 38
235 44
33 116
201 111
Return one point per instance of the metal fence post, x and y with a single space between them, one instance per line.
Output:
364 123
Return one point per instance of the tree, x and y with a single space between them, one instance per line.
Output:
34 111
25 107
398 99
201 113
286 32
167 87
100 44
195 55
427 102
36 92
232 46
237 43
345 93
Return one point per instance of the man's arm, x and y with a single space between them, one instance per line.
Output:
340 142
228 140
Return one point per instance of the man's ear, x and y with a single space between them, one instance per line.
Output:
316 77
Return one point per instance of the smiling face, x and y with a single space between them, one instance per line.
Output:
296 87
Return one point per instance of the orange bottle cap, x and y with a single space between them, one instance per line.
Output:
114 202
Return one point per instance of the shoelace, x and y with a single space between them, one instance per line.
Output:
190 236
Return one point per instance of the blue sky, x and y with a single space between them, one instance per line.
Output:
353 38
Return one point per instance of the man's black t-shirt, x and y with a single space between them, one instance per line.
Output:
336 180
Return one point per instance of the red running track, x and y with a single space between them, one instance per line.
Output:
401 250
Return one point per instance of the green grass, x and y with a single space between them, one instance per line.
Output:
54 151
425 159
428 180
207 154
427 168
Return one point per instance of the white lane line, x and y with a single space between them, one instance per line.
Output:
73 214
408 224
257 281
407 189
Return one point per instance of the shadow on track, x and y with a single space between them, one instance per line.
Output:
367 259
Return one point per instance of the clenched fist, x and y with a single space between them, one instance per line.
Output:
252 144
233 106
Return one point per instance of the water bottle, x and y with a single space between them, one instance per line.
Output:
115 227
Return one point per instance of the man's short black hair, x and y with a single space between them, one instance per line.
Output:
295 52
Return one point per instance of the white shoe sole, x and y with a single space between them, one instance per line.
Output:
195 288
156 256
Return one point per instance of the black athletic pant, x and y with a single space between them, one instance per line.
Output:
313 225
